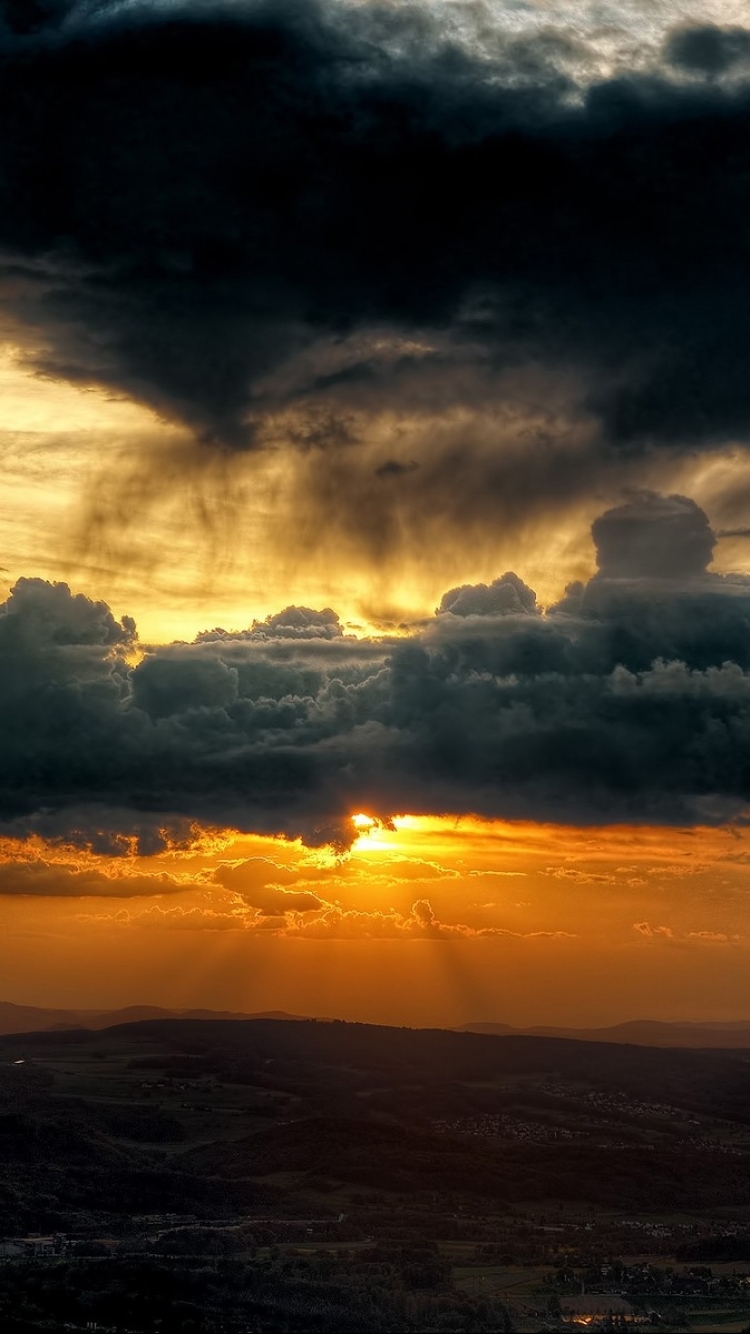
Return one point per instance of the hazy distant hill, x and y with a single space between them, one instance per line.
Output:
641 1032
33 1019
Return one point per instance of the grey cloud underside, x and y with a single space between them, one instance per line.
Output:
629 701
27 879
227 211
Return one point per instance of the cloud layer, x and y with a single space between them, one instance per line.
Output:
238 213
630 700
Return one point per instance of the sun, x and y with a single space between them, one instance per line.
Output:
363 822
372 833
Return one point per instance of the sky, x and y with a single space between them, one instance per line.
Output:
375 528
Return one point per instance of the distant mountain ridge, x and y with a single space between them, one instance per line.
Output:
34 1019
637 1032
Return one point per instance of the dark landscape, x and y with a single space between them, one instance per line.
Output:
374 666
235 1176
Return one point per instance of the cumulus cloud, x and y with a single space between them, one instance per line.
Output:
715 937
701 937
502 597
646 929
60 880
331 922
291 623
256 884
654 596
653 536
421 923
200 683
628 701
50 615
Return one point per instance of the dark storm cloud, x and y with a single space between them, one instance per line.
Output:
481 476
660 536
628 701
708 50
224 211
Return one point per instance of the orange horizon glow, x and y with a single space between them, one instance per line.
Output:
426 919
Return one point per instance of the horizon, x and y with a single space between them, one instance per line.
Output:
284 1015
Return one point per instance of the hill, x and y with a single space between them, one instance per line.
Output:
241 1101
642 1032
32 1018
297 1165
